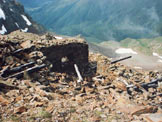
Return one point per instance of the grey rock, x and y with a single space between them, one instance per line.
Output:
12 19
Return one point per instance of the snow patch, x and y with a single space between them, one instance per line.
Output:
27 20
24 30
138 67
3 31
58 37
157 55
159 61
11 9
2 15
4 1
125 50
17 25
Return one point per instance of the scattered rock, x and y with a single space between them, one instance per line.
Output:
157 117
143 110
38 104
108 92
3 101
20 110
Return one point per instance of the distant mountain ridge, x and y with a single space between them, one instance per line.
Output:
99 20
13 17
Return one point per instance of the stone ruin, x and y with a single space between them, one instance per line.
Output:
67 52
61 53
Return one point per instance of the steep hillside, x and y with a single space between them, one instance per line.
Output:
146 46
13 17
98 90
99 20
146 53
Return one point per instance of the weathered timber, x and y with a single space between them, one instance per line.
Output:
3 72
20 50
78 73
9 71
153 83
28 71
113 62
152 97
21 67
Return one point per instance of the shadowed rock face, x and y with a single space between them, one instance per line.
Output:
13 17
65 55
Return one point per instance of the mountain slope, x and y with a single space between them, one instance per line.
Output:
99 20
13 17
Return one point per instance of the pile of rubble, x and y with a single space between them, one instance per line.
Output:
39 83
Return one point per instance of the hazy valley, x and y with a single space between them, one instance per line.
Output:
99 21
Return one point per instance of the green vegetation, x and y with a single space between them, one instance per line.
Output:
146 46
99 20
15 118
44 114
159 28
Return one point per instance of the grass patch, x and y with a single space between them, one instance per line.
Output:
72 110
41 114
45 114
98 113
113 117
15 118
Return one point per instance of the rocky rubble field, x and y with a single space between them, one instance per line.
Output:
39 84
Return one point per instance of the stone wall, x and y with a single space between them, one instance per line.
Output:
66 53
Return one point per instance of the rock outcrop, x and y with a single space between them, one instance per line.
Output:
13 17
